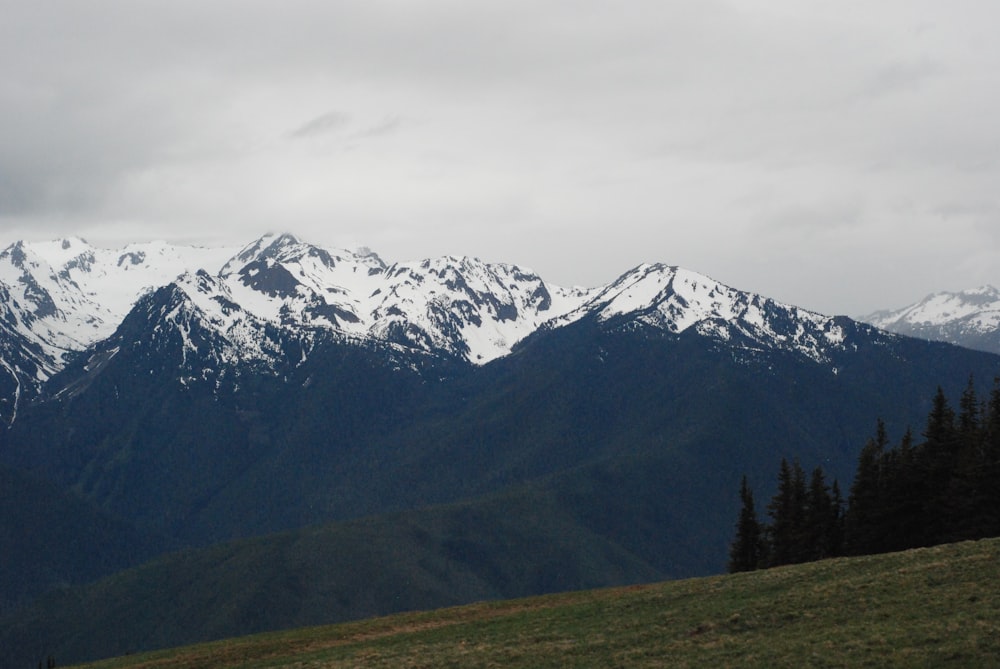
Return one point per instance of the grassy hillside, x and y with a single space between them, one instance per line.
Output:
928 607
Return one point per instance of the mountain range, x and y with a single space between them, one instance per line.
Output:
63 297
278 421
969 318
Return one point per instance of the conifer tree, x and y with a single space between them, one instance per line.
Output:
904 498
800 545
969 413
746 550
940 431
959 503
936 462
976 483
987 507
837 531
946 488
820 519
863 521
787 510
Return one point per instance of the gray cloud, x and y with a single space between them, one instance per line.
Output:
386 126
321 125
902 76
792 149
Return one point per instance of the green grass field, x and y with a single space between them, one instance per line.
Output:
932 607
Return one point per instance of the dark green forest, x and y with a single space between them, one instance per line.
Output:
942 489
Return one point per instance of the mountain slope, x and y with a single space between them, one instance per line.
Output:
185 410
508 546
969 318
50 538
206 447
216 388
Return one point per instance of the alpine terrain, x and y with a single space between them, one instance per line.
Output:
969 318
283 434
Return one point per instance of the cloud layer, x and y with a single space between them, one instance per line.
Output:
842 157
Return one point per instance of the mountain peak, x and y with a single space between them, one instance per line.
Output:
984 294
268 245
675 300
969 318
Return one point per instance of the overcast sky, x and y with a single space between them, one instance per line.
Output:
841 156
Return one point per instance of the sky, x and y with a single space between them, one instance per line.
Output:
843 157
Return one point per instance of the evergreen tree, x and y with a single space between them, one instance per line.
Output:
785 533
746 551
946 488
936 461
904 498
960 501
979 474
820 520
864 519
940 431
969 414
837 531
800 538
987 507
991 421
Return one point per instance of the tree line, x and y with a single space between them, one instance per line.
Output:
941 489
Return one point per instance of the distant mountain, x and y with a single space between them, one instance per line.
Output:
969 318
289 386
60 298
57 298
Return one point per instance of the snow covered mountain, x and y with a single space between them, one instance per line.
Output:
674 300
278 294
67 294
456 306
969 318
57 298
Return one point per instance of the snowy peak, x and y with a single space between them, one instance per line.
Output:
62 296
969 318
450 305
76 294
675 300
282 280
197 321
668 297
246 304
60 252
977 307
465 306
456 306
261 249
